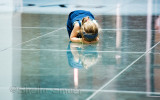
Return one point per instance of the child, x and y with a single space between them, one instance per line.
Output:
82 27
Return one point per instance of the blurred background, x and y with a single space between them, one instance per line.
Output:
65 6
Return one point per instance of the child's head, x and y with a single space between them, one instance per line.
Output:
89 29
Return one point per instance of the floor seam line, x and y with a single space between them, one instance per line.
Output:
77 50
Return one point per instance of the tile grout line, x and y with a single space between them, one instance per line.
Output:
38 27
91 96
56 50
128 29
101 29
32 39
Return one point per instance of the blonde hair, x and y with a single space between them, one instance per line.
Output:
89 27
89 60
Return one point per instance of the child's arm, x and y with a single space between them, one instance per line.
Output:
74 50
74 33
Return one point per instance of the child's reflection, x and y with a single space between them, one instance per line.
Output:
81 56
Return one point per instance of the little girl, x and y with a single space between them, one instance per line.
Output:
82 27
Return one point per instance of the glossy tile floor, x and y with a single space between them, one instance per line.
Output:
39 63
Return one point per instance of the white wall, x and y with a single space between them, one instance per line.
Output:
10 5
5 30
10 61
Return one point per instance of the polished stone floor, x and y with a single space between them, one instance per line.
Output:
38 62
